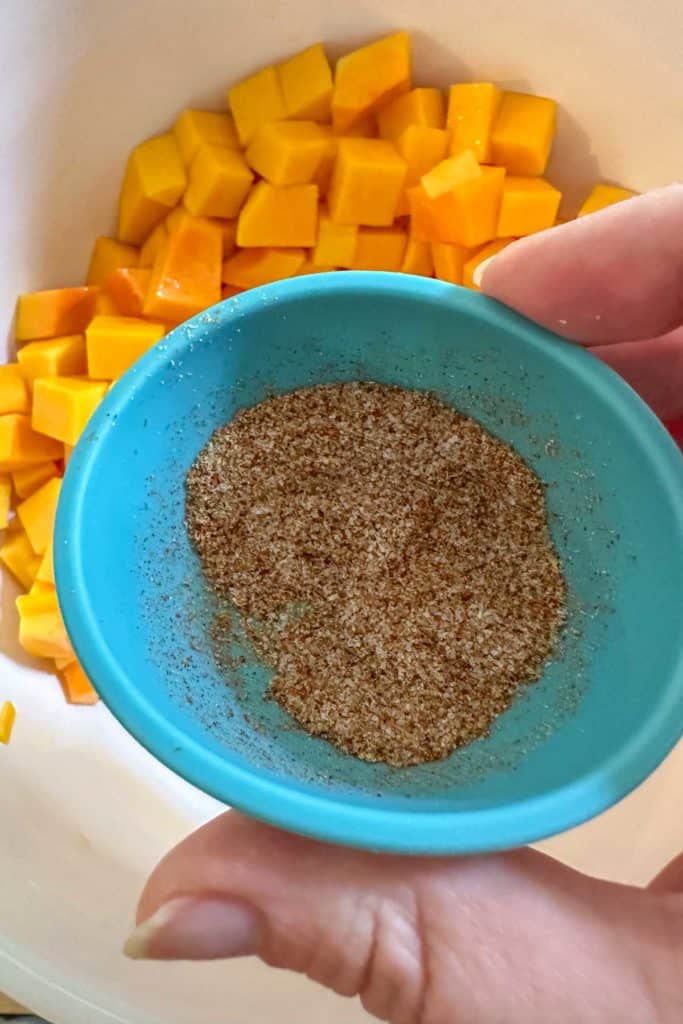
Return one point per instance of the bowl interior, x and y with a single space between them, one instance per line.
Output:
609 704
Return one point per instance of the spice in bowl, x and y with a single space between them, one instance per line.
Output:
389 560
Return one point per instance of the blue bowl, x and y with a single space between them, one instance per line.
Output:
610 704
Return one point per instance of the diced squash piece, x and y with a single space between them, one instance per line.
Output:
291 152
422 148
449 261
336 244
21 445
14 396
528 205
127 287
27 481
218 182
107 255
418 259
8 716
42 632
370 77
62 406
472 109
46 570
52 313
58 357
466 214
186 277
367 181
114 343
380 248
306 82
279 216
364 128
602 196
76 685
105 305
451 174
522 133
61 663
256 100
485 253
228 234
418 107
249 268
18 556
37 514
153 183
5 501
40 587
194 128
153 244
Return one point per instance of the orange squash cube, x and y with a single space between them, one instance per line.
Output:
62 406
42 632
18 556
8 716
27 481
380 248
107 255
114 343
449 261
152 245
466 214
14 396
424 107
186 277
306 83
369 77
472 109
602 196
37 514
194 128
76 685
58 357
528 205
279 216
367 181
52 313
46 570
228 229
418 259
249 268
5 501
292 152
21 445
255 101
219 180
153 183
485 253
127 287
422 148
336 244
522 133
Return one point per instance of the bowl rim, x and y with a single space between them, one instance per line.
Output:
287 805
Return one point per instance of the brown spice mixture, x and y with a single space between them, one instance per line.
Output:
390 559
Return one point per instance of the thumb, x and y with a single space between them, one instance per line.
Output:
418 939
616 275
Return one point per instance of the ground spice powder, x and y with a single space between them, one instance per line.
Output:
389 558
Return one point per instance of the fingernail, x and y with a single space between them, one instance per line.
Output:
196 929
478 275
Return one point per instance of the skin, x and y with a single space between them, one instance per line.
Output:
513 938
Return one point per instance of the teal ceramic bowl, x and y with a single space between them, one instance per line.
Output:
610 704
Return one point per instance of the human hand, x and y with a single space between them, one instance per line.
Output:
513 938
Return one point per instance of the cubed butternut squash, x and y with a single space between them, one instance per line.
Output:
380 248
279 216
336 243
107 255
153 244
17 555
186 277
475 261
292 152
46 570
8 716
417 258
528 205
369 77
522 133
255 101
424 107
153 183
249 268
218 182
27 481
114 343
52 313
367 181
14 395
604 195
306 83
449 261
472 109
62 406
127 287
37 514
58 357
456 205
194 128
21 445
5 501
76 686
42 632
